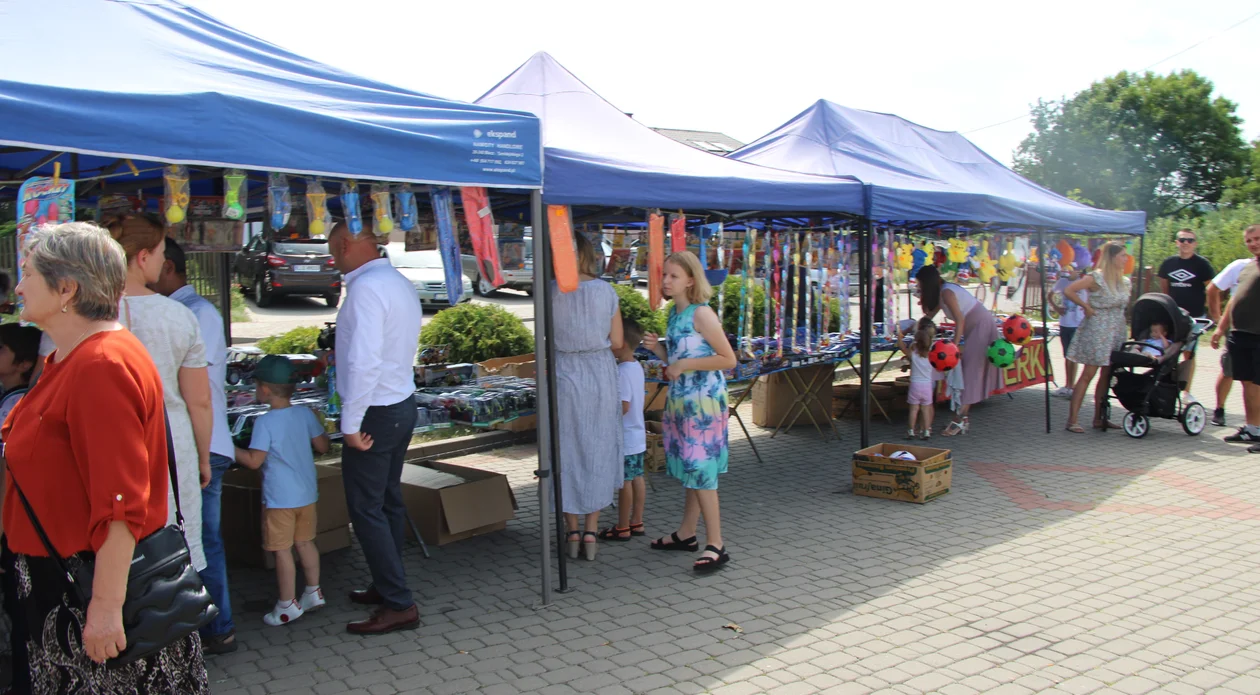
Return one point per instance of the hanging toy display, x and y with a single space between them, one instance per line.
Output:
767 246
988 269
382 209
175 187
944 356
317 208
1017 329
919 258
842 267
810 292
712 233
677 232
780 276
235 190
890 287
1082 258
746 293
480 220
1001 354
443 201
793 256
350 206
279 201
905 256
656 257
408 214
1007 263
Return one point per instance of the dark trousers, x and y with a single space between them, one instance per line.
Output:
373 481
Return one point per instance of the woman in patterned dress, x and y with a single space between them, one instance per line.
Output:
696 351
1102 331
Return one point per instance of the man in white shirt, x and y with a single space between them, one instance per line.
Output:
378 332
1223 282
219 637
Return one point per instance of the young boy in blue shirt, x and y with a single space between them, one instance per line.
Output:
281 446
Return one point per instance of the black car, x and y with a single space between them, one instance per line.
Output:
269 268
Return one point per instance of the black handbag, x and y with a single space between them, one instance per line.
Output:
166 600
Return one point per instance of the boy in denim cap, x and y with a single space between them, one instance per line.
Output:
281 446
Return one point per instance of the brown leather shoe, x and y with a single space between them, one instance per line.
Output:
367 597
385 620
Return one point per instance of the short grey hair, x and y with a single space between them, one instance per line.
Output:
85 254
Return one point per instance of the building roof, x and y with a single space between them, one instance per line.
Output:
706 140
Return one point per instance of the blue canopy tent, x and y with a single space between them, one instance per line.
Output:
917 174
178 86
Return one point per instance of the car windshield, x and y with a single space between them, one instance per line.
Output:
302 248
417 259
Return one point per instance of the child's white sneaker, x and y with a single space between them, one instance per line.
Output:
312 599
283 614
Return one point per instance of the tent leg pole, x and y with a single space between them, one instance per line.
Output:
545 397
866 238
553 425
225 294
1045 334
1141 266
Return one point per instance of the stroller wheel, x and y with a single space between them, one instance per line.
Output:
1194 419
1135 425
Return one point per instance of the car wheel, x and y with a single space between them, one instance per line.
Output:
484 288
333 300
262 295
529 290
233 377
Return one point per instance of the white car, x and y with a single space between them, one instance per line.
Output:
424 270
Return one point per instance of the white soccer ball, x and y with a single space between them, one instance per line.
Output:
902 455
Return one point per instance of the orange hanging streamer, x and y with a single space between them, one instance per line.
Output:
677 233
481 230
656 257
563 253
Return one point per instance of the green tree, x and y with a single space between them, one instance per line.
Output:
1157 143
1245 188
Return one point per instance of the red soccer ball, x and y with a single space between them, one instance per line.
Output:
1017 329
944 356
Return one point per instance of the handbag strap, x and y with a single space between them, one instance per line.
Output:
39 528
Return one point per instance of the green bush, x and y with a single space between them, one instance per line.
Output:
635 306
478 332
1219 232
299 341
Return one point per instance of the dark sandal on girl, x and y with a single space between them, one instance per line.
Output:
690 545
637 530
709 564
613 533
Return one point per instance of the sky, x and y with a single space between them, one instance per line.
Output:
745 68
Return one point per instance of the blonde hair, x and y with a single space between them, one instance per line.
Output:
1112 271
924 335
699 292
82 253
136 233
587 256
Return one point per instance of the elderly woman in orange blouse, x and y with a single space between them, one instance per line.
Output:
87 447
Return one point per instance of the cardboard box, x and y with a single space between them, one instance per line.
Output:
773 397
525 423
654 457
242 506
875 474
520 366
659 393
449 503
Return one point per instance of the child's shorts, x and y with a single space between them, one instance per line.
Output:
920 393
634 466
283 527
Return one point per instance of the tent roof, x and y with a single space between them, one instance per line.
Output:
158 80
920 174
597 155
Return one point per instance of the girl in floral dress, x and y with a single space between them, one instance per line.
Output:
696 351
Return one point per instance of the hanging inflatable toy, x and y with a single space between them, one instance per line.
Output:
919 257
1001 354
957 251
1016 329
1081 256
905 256
1007 263
234 191
317 208
350 206
382 209
1066 253
176 179
407 211
279 201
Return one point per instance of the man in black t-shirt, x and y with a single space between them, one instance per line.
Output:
1241 322
1185 278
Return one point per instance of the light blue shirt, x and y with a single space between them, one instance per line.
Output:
289 470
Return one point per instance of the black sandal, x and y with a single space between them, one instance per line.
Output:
637 530
709 564
690 545
613 533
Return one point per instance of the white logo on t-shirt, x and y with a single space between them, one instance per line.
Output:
1181 275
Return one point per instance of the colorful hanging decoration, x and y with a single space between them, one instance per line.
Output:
845 319
793 252
350 207
320 220
656 257
767 246
175 183
481 232
279 201
563 252
443 201
407 212
810 294
382 209
677 233
234 191
890 286
746 292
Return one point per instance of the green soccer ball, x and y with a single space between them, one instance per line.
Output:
1001 353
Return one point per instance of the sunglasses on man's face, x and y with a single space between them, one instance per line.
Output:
1185 240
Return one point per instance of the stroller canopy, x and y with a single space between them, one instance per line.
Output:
1154 307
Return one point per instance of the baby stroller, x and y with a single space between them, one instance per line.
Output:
1149 386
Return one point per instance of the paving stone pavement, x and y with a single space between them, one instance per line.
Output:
1059 563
